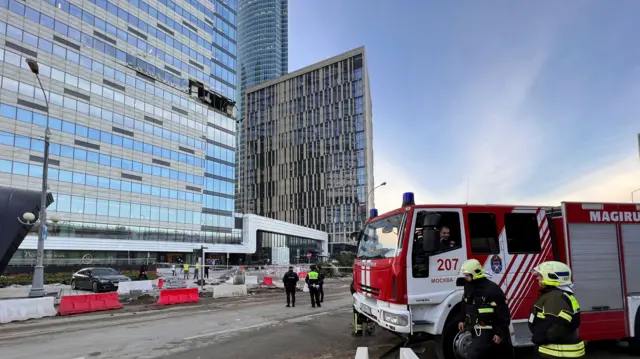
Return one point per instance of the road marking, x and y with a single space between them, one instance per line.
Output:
312 316
232 330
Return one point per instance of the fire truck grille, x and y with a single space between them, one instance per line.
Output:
371 290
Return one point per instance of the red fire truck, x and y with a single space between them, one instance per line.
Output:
406 270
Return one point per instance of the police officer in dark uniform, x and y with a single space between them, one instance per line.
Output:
321 284
312 280
290 280
485 310
555 317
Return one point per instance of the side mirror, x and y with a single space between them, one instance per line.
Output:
430 240
431 220
430 235
460 282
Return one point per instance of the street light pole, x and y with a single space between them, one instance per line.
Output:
370 192
632 193
37 286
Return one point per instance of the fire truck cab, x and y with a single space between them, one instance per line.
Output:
406 268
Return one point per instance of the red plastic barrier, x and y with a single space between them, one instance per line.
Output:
267 280
160 283
302 275
86 303
178 296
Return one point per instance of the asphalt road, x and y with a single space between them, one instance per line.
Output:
244 328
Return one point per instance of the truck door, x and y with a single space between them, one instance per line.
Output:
432 277
527 241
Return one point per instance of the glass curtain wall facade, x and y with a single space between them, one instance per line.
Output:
309 153
263 55
134 155
298 248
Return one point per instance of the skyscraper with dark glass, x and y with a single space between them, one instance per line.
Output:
142 145
309 147
263 55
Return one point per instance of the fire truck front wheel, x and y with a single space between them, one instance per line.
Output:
449 342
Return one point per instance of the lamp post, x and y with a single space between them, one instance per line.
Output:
370 192
37 287
203 263
633 192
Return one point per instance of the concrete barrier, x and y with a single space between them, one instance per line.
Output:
362 353
12 310
405 353
226 290
141 285
251 279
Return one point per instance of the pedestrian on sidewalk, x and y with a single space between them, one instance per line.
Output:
173 269
143 273
290 280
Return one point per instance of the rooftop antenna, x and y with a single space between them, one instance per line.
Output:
468 183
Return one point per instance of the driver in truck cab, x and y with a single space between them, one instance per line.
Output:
484 312
555 317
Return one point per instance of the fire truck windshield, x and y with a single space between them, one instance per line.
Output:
380 238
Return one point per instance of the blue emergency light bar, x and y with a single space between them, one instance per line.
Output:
408 199
373 213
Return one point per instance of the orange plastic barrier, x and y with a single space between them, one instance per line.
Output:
267 280
178 296
302 275
86 303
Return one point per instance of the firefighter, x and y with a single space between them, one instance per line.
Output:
555 317
484 312
312 282
357 321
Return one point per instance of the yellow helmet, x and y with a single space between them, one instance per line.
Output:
554 273
472 267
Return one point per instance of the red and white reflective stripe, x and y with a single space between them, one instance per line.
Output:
365 276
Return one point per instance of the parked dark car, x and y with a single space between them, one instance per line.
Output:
97 279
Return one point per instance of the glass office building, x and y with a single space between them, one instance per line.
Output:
263 55
142 143
309 147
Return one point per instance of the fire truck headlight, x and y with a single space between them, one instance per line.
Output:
395 319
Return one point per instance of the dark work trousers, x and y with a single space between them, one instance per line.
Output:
321 292
315 296
143 275
481 346
291 295
206 272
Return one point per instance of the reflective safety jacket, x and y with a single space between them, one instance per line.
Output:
485 307
554 323
185 267
312 278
